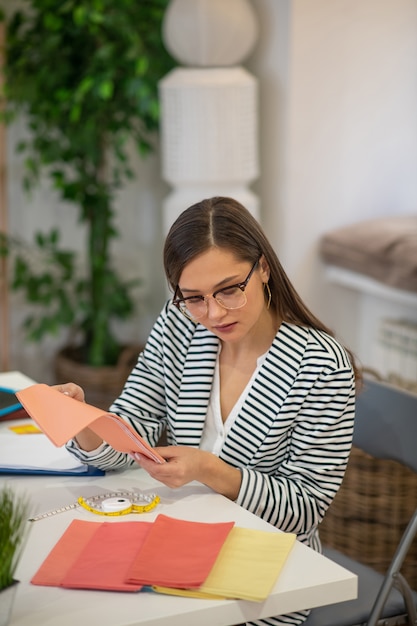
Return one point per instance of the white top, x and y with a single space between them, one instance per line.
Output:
215 430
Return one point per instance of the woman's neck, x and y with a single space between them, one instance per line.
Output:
255 343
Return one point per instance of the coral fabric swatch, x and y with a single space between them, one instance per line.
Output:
107 557
61 418
93 555
65 552
178 553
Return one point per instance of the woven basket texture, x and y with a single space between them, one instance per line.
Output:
102 385
371 511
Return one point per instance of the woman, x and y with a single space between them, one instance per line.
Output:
256 395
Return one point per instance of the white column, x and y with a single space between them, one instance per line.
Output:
209 109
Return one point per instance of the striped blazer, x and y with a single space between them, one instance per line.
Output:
292 437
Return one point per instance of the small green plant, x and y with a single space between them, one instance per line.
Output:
14 511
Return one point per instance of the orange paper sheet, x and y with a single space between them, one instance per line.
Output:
178 553
61 418
93 555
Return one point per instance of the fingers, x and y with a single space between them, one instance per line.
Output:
142 458
137 456
72 390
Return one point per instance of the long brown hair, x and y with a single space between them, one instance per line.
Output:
225 223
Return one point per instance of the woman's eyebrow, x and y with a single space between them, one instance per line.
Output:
216 287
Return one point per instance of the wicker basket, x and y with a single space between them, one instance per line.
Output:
101 384
371 511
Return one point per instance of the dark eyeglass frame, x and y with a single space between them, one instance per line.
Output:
242 286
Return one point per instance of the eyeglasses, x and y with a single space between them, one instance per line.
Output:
232 297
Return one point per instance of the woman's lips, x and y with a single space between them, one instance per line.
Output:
224 328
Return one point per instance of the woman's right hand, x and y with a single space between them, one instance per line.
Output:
72 390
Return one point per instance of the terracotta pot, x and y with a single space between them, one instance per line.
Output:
101 384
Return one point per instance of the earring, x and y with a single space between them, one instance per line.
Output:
268 295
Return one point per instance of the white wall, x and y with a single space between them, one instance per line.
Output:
339 131
338 143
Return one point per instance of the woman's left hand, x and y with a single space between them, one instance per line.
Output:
182 465
185 464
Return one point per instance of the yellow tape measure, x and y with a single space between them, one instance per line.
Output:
111 503
119 505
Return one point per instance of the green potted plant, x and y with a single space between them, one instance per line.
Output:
85 76
13 525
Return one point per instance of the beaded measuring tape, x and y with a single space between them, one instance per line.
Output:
111 503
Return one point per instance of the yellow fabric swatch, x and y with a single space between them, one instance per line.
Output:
186 593
248 564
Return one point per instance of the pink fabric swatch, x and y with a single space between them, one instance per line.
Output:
107 557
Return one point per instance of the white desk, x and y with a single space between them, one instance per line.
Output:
307 580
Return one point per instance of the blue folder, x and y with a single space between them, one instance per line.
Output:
88 471
8 401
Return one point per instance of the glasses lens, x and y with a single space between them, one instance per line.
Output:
232 298
193 308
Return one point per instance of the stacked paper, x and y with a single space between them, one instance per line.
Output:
34 454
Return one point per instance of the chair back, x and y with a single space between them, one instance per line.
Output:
385 429
386 423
